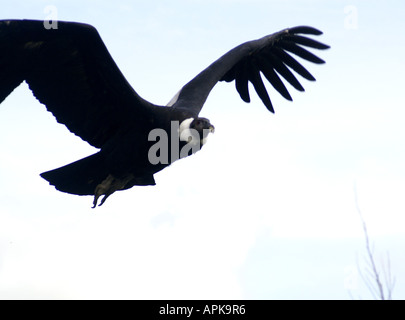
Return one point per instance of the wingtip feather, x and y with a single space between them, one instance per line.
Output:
305 30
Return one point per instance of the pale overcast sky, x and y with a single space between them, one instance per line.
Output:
266 210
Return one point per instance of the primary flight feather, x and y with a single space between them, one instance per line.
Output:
71 72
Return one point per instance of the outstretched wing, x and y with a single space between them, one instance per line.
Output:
245 63
70 70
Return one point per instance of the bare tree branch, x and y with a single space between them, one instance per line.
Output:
372 277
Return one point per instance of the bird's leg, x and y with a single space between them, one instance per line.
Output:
109 186
106 187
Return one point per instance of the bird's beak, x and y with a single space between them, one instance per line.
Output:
211 128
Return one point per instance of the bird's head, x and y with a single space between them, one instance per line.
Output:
193 130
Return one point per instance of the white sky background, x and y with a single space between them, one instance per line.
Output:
266 210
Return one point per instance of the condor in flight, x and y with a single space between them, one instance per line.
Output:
71 72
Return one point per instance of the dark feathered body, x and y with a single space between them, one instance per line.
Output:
125 157
71 72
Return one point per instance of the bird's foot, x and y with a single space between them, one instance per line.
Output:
106 188
109 186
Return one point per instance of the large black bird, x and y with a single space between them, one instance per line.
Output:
71 72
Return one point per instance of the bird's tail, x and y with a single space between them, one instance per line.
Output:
80 177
